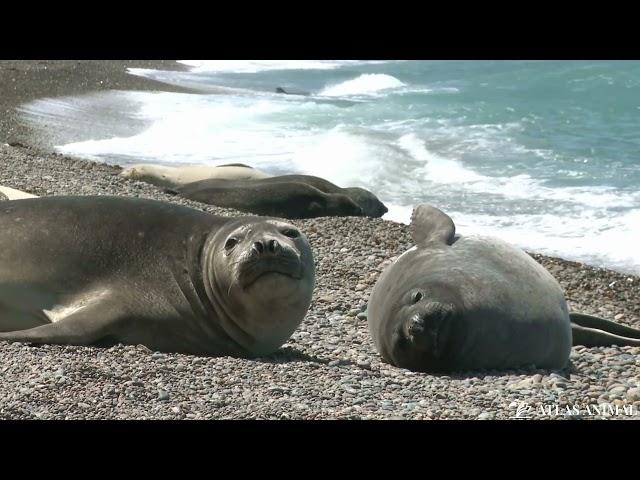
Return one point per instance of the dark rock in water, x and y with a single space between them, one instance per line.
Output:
283 91
235 165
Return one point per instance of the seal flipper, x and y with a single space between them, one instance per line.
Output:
19 307
593 322
593 337
429 224
87 326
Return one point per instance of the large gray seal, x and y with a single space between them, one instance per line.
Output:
285 199
367 201
104 270
455 303
370 204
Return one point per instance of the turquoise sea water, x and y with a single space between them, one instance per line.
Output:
545 154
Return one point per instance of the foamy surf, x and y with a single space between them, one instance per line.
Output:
255 66
367 84
589 237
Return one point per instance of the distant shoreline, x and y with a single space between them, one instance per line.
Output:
24 80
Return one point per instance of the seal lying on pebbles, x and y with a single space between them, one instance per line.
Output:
7 193
165 176
105 270
278 199
468 302
367 201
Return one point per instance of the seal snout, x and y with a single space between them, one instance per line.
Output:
424 329
416 325
266 245
271 250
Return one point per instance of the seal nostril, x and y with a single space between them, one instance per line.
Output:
416 326
274 246
258 247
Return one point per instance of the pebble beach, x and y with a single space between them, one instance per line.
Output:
329 368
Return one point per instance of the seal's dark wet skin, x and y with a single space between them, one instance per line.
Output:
287 196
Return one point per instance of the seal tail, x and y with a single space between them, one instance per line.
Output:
592 331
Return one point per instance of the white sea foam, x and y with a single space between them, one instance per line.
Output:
253 66
600 240
449 171
366 84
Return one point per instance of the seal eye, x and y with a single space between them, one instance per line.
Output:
291 233
231 242
416 297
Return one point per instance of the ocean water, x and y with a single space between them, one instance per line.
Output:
544 154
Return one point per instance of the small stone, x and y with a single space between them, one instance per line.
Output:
619 316
175 410
633 394
485 416
618 389
361 316
363 364
163 395
327 299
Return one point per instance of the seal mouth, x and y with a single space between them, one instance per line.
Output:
425 333
255 268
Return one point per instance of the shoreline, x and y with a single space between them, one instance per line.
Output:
329 368
24 80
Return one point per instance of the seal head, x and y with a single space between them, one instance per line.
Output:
259 274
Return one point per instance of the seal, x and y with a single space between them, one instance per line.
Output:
291 92
455 303
105 270
7 193
367 201
278 199
165 176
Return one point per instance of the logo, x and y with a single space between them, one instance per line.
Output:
523 410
